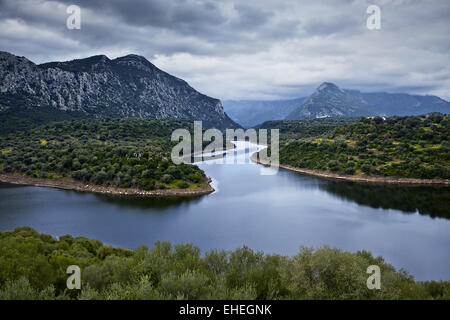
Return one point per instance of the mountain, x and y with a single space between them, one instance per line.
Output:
331 101
99 87
402 104
250 113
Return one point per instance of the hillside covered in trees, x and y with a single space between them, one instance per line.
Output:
413 147
127 153
33 266
305 128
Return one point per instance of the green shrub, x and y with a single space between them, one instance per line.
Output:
33 266
182 184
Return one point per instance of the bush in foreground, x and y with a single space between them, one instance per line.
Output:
33 266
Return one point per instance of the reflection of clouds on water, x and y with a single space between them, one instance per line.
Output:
198 158
239 155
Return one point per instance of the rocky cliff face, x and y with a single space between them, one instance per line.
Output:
128 86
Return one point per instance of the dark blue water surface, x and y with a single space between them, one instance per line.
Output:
408 226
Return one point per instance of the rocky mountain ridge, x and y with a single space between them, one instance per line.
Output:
100 87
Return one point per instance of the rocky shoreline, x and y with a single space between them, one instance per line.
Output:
71 184
360 178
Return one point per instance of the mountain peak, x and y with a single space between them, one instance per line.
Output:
89 64
330 101
128 86
6 56
99 57
132 56
328 86
92 59
135 60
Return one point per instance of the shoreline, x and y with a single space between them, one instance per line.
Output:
74 185
360 178
196 154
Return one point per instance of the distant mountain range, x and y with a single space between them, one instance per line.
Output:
402 104
131 86
250 113
331 101
98 87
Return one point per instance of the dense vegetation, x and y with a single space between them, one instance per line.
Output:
120 153
33 266
415 147
296 129
20 119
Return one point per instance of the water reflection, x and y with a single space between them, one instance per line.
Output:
432 201
273 213
158 204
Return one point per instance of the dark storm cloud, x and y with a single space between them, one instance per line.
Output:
210 24
183 16
248 49
157 13
250 17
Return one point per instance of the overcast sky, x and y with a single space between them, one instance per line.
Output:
249 49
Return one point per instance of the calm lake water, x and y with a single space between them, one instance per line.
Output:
408 226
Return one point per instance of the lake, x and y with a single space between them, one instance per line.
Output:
408 226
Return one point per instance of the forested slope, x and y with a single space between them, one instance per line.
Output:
127 153
413 147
